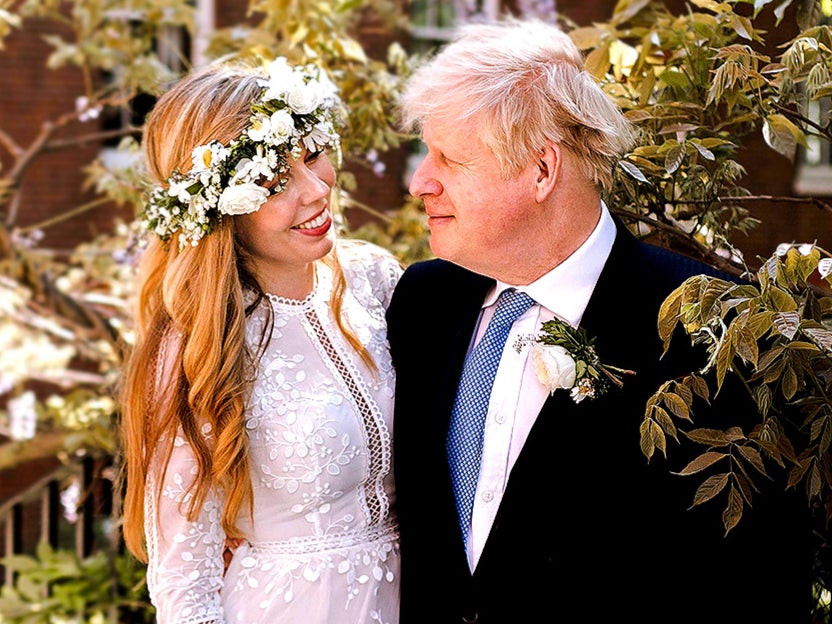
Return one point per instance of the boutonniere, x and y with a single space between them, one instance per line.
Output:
564 357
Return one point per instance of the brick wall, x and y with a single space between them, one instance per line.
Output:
31 94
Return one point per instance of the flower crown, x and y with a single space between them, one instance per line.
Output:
299 107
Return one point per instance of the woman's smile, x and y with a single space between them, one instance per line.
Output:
316 225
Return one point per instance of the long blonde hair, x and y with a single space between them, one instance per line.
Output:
190 367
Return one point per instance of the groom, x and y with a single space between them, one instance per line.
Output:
521 505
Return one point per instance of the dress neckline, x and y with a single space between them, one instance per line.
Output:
297 303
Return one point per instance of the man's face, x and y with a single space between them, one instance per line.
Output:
476 218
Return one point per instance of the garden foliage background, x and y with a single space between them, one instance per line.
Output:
697 84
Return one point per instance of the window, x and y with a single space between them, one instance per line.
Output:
814 171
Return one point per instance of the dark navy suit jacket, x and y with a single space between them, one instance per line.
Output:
588 530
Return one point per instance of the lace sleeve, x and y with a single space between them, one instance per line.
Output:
185 564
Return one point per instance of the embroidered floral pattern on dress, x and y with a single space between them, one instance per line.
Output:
323 542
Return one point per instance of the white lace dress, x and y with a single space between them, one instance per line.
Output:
323 543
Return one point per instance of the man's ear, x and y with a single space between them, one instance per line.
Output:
548 171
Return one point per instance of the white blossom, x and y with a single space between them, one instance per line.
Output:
22 416
242 199
554 367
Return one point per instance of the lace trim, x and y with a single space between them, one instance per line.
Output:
387 532
297 303
374 425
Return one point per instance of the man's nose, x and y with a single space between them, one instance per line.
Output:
423 182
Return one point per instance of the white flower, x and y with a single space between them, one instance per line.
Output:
585 388
22 416
179 190
242 199
260 128
205 157
554 367
251 170
298 107
304 98
282 126
280 72
319 137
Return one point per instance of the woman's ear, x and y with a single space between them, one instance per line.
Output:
548 171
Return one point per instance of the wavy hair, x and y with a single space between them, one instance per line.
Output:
525 83
189 367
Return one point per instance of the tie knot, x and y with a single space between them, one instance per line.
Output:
510 305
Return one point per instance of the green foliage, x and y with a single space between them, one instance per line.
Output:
55 586
776 335
696 86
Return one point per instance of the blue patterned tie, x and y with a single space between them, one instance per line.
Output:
464 444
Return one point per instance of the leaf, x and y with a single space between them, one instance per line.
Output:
825 267
759 323
659 439
700 387
712 486
669 314
597 61
733 510
724 357
586 37
674 158
786 323
703 151
648 446
677 405
631 170
821 335
780 10
673 77
753 457
788 383
763 397
700 463
746 345
743 26
714 289
782 135
709 437
624 11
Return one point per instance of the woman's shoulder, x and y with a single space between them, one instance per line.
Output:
369 269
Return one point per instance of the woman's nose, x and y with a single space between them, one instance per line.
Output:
315 186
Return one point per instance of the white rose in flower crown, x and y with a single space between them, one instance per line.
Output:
304 98
240 199
282 125
554 367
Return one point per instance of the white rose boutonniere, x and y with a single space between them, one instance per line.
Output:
564 357
553 365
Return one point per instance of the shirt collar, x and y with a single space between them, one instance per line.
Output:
566 289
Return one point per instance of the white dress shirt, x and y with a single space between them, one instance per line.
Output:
517 396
